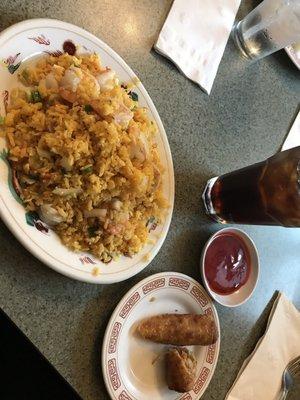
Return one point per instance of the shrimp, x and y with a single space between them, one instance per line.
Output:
139 150
50 81
50 215
107 80
69 84
68 95
75 82
114 229
123 116
71 79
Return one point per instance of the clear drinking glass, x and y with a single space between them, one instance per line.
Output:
271 26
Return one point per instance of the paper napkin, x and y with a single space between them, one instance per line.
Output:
260 377
194 37
293 138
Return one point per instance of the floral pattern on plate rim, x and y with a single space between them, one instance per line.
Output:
41 39
9 63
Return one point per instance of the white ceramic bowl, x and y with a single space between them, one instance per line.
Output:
244 293
23 42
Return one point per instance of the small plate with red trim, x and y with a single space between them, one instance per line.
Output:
133 368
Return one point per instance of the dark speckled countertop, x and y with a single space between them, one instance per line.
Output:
244 120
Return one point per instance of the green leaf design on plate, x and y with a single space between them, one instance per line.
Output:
31 217
150 221
4 157
12 68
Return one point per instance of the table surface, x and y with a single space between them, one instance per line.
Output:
244 120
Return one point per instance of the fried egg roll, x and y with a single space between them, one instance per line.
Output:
180 369
179 329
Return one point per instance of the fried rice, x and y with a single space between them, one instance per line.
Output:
85 156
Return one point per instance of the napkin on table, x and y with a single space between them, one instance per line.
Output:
293 138
260 377
194 37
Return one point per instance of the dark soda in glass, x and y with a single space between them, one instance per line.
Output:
266 193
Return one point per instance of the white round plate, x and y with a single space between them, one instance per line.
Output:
294 53
133 368
36 37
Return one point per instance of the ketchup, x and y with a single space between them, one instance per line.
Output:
227 263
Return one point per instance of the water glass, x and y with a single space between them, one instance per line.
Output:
271 26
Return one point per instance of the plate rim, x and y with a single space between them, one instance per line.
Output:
291 53
120 304
8 219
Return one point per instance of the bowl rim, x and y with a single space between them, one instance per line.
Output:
256 264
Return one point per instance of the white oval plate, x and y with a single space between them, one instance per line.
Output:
293 52
24 41
133 367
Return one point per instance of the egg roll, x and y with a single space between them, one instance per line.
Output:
179 329
180 369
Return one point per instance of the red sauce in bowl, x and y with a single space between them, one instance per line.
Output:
227 263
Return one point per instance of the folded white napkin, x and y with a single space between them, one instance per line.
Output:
293 138
260 377
194 37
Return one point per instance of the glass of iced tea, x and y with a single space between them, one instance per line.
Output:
266 193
